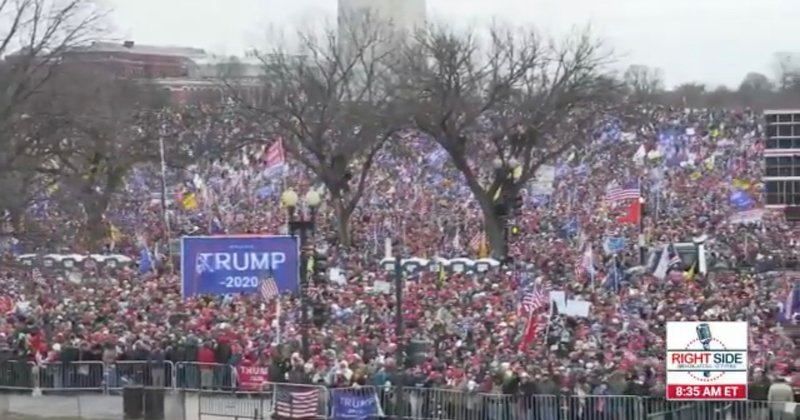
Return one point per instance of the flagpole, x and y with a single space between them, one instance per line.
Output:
164 212
642 247
658 207
278 319
746 236
547 327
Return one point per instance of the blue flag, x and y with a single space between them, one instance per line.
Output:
614 275
216 227
741 200
145 260
792 304
614 244
570 228
355 404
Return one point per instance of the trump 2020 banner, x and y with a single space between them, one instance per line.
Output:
236 264
355 404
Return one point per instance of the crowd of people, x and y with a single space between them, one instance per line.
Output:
687 163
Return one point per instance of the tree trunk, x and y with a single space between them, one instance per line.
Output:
493 226
343 214
97 233
17 220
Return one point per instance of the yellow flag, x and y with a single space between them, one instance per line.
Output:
310 265
689 275
442 276
517 172
497 194
741 184
483 249
114 234
190 202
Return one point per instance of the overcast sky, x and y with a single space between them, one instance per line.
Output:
710 41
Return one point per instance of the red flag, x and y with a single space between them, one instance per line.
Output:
275 155
633 213
531 328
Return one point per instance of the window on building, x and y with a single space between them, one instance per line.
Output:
771 143
775 191
793 193
780 166
772 130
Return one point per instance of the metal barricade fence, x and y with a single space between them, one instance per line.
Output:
196 376
17 374
724 410
450 404
601 407
71 376
440 404
237 405
139 372
283 400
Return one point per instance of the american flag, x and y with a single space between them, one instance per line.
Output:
616 192
275 156
296 404
476 241
674 258
585 264
534 300
268 289
314 293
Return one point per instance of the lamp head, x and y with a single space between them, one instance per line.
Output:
289 198
312 198
497 163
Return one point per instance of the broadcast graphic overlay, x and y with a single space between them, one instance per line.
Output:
707 361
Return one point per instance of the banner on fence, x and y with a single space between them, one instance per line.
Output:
252 378
355 404
221 265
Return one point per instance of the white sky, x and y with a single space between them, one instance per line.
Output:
710 41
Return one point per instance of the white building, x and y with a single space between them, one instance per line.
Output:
401 17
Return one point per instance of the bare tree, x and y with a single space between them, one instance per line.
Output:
691 94
756 82
519 100
644 82
720 97
19 188
755 89
98 127
33 36
333 107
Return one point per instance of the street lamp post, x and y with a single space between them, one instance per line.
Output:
399 332
504 172
642 242
301 227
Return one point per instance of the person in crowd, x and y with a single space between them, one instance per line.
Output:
781 400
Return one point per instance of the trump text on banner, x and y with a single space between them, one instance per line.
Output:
237 264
